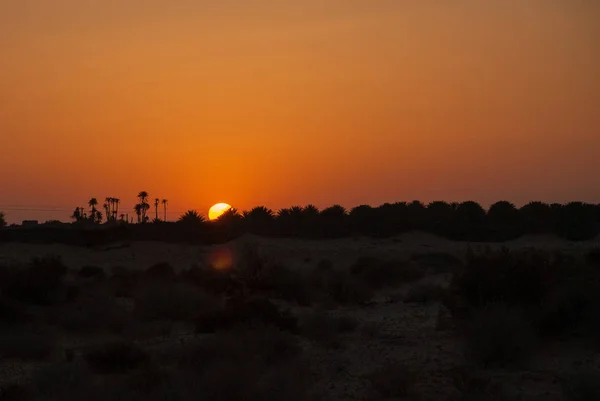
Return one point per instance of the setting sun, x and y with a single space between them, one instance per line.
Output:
217 210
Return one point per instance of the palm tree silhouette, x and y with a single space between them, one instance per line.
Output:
106 207
92 203
537 218
2 220
156 203
77 214
138 212
504 220
191 217
440 216
164 203
144 205
116 207
259 220
470 221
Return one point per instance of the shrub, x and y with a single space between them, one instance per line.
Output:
384 273
116 357
325 329
90 314
179 302
393 380
472 385
582 386
11 311
124 281
62 381
40 282
520 278
439 262
14 392
500 336
160 272
347 289
424 293
24 343
282 283
246 311
593 257
213 281
95 272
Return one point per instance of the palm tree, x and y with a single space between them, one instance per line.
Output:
156 203
362 219
143 197
191 217
97 217
116 207
106 207
440 216
416 215
504 220
537 218
77 214
334 221
92 204
138 211
259 220
470 221
164 203
2 220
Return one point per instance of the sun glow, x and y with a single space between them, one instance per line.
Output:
217 210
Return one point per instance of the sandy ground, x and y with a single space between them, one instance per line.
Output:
391 330
291 252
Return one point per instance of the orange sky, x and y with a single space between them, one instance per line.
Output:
282 102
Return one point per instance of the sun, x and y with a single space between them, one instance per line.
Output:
217 210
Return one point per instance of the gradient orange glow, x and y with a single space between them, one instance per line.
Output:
279 102
217 210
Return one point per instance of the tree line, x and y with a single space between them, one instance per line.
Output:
465 221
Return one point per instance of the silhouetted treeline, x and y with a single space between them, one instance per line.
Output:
466 221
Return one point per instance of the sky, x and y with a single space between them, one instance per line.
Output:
280 103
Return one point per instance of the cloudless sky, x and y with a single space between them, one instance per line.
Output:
280 102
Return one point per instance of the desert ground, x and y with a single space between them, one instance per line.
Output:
400 342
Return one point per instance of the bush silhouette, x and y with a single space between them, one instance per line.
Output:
39 283
116 357
500 336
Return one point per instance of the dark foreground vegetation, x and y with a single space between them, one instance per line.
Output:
466 221
255 331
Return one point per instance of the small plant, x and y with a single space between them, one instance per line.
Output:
500 336
116 357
